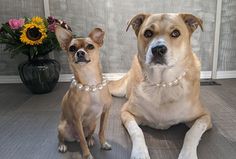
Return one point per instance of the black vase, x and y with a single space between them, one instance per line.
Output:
39 75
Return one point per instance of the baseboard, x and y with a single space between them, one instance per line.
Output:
115 76
225 74
205 74
62 78
65 77
10 79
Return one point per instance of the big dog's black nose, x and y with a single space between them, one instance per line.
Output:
159 50
80 54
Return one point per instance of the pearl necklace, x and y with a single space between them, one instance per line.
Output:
171 83
88 88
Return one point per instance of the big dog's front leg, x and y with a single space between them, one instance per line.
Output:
193 136
139 148
83 142
103 122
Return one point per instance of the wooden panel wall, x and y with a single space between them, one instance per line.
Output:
112 15
227 48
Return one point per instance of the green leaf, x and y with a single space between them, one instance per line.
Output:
35 50
32 52
18 48
27 19
13 54
5 41
8 30
9 47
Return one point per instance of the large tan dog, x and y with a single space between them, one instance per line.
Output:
88 97
163 85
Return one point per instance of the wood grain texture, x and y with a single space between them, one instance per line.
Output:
227 48
112 15
120 46
28 127
16 9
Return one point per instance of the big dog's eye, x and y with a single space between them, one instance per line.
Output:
175 33
148 33
72 48
90 47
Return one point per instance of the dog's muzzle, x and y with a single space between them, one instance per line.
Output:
159 50
80 57
158 53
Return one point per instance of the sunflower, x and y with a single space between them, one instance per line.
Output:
34 33
37 20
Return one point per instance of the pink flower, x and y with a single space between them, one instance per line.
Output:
16 23
51 19
51 27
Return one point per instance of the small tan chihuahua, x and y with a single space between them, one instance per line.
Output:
88 97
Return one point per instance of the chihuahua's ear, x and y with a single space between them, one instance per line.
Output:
97 35
136 22
192 22
64 37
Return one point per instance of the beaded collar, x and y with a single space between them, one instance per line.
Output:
89 88
171 83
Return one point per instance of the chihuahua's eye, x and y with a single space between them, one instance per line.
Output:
148 33
72 48
90 47
175 33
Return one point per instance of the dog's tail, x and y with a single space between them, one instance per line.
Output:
119 88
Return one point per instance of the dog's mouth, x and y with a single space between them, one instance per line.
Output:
156 60
82 60
159 60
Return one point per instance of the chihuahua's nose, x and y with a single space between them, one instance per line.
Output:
159 50
80 54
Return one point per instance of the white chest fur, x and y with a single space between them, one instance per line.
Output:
94 108
97 103
94 103
162 107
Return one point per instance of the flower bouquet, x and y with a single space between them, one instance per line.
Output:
35 38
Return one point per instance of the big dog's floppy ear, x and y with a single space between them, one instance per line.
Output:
192 22
97 35
136 22
64 37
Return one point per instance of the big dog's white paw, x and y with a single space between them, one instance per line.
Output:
62 148
140 152
188 154
90 157
106 146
